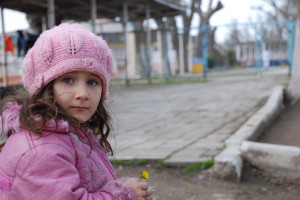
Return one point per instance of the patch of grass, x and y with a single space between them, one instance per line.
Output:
285 85
160 80
121 162
243 190
141 161
129 162
161 162
184 194
174 195
262 191
190 190
178 80
188 170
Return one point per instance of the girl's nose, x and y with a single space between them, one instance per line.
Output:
81 91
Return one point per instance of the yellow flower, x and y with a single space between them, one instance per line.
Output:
144 175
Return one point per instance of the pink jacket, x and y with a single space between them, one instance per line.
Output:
54 167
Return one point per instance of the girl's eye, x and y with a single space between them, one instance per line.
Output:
67 80
92 82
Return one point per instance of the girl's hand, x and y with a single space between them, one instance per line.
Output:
139 188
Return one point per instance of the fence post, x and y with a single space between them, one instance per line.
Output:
261 42
290 44
181 53
166 49
148 43
203 30
257 49
125 20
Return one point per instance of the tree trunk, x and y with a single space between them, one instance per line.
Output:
293 90
162 28
139 35
186 37
187 18
174 35
204 20
211 50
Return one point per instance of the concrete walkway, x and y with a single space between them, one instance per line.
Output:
187 123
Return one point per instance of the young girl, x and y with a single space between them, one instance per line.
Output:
56 147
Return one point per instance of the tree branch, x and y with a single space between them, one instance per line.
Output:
212 11
187 20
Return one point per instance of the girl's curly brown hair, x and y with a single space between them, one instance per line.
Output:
43 106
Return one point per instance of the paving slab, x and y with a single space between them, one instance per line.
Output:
164 121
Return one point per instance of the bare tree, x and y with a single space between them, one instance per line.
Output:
288 10
139 38
162 27
187 17
235 35
293 90
285 11
282 11
205 21
192 7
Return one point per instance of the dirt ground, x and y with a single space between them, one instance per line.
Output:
285 129
172 184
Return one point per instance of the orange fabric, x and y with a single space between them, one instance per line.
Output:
9 46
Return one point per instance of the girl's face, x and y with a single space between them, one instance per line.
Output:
78 93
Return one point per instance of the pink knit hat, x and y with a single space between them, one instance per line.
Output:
62 49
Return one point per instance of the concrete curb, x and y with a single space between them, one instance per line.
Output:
229 163
281 160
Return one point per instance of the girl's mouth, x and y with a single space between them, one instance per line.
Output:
79 107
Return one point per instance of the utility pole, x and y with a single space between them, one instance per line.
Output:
125 20
93 15
148 43
51 14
